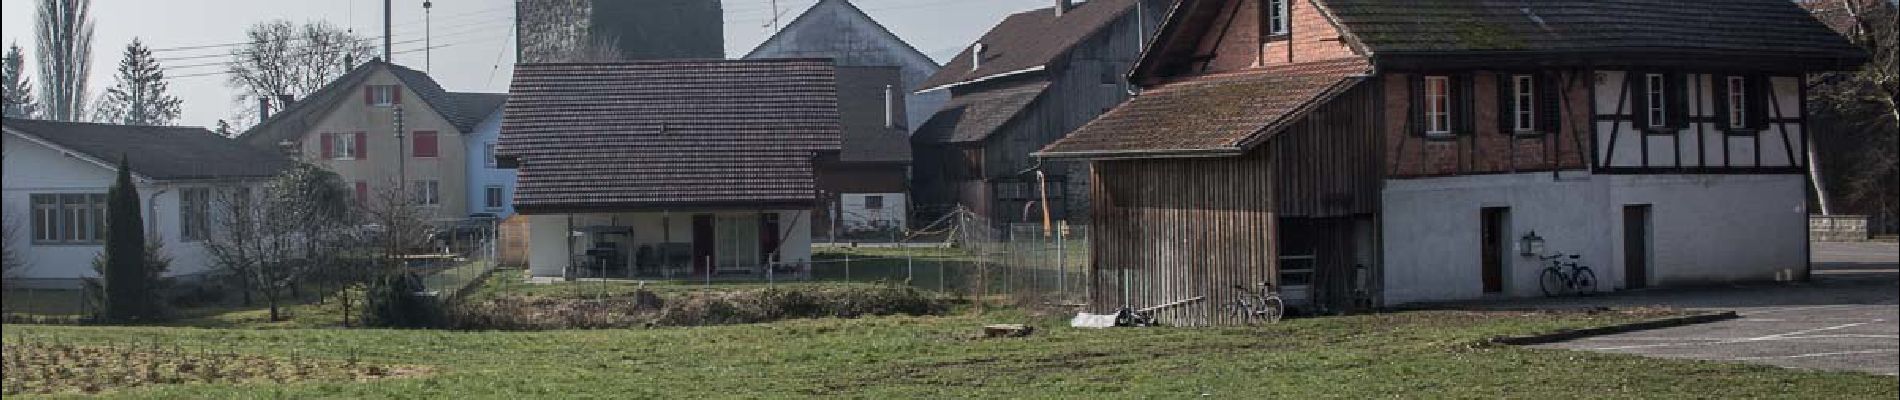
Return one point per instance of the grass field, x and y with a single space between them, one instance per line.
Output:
1411 354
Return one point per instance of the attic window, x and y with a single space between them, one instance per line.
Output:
1657 95
1275 13
381 95
1438 105
1737 94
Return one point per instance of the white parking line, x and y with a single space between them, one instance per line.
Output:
1780 336
1836 353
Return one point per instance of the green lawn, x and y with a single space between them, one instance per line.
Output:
1412 354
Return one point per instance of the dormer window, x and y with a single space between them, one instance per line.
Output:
1275 14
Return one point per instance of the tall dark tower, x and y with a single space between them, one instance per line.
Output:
610 30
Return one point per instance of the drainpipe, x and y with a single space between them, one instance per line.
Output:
151 213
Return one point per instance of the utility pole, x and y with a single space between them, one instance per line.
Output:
427 32
386 29
402 156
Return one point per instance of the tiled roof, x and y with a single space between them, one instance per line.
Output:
668 134
1030 39
1739 27
157 152
1214 113
862 104
464 110
975 116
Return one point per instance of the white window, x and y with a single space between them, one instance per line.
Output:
874 202
194 214
72 218
488 154
382 95
1276 13
494 197
427 192
343 146
1524 113
1438 105
1737 102
1654 85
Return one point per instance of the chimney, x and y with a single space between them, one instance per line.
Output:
890 108
263 108
1063 7
976 56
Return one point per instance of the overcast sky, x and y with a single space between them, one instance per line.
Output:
473 49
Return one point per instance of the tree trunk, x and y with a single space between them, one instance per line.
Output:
1814 177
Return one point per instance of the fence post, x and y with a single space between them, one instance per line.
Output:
910 270
1062 265
847 266
709 270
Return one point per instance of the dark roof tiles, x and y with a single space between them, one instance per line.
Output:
1222 112
158 152
1740 27
975 116
1030 39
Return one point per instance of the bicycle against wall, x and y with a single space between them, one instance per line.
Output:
1257 307
1566 274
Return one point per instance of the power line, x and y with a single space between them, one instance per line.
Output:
489 24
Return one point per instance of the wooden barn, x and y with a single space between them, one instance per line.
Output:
1372 152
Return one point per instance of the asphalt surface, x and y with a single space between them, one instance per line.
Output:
1847 318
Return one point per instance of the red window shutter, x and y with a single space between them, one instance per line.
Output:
395 94
362 146
362 192
425 144
329 145
369 95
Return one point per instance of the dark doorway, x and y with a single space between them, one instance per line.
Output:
1496 222
1635 246
702 243
768 238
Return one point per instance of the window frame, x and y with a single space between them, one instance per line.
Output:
426 192
343 147
1656 101
1738 103
494 197
488 155
1438 107
194 214
1524 104
382 95
878 204
58 220
1276 18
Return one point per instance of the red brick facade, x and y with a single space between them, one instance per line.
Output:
1484 150
1239 41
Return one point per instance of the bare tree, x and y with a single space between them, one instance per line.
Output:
64 29
285 59
1857 111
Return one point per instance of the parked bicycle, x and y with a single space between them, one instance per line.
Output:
1261 306
1566 275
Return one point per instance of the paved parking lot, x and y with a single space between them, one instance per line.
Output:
1847 318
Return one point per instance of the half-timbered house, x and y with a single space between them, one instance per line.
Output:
1356 152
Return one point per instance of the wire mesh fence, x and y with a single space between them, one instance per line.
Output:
975 258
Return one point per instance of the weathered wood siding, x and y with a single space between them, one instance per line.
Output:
1176 228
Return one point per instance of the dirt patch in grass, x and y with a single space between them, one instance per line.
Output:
644 308
50 368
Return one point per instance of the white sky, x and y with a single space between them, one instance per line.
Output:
470 35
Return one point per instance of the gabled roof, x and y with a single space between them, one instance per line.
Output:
1211 115
1775 33
464 110
805 21
156 152
1028 40
679 134
975 116
862 106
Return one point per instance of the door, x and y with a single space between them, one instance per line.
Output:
702 243
1636 246
1492 251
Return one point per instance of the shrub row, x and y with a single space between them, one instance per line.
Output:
646 309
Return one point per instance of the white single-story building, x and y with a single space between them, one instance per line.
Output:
57 175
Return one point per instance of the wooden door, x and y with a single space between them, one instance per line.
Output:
702 243
1636 246
1492 251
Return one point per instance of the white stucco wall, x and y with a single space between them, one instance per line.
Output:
481 175
1705 229
854 216
31 168
549 234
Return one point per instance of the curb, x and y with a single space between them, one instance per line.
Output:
1573 334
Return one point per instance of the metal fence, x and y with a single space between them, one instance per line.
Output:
51 298
466 254
1020 263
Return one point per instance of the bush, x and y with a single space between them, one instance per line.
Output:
401 301
644 308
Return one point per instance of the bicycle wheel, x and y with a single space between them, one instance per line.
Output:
1243 312
1586 281
1272 309
1552 282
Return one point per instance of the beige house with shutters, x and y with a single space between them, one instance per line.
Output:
350 126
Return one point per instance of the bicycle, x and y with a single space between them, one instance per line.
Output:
1264 305
1555 280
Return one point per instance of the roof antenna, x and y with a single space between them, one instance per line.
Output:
427 34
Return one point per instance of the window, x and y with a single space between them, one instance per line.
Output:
382 95
1738 101
72 218
1438 105
494 197
343 146
1275 13
428 193
194 214
425 144
488 154
1524 94
873 202
1657 104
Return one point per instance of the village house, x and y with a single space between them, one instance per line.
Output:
670 168
386 127
866 190
1029 80
57 175
1387 152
